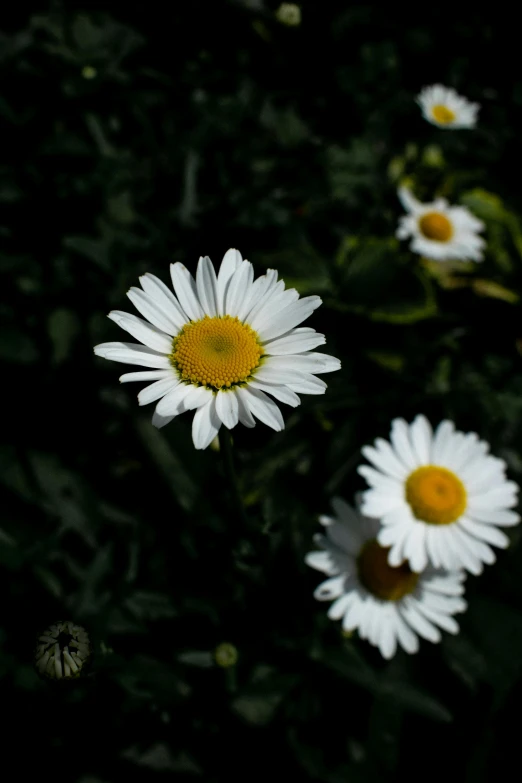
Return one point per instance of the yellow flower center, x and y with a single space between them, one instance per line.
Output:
442 114
216 352
381 579
436 495
436 226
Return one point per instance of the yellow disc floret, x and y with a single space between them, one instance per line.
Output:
381 579
442 114
216 352
436 495
436 226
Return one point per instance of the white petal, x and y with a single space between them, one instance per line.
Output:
281 393
164 298
330 589
444 621
347 539
266 292
503 496
291 316
231 261
294 342
421 436
311 362
408 200
355 613
407 639
305 383
142 331
156 390
400 438
245 417
268 373
376 504
262 407
160 421
415 547
131 353
321 561
170 404
489 533
150 309
256 292
442 442
385 484
446 585
409 611
195 398
502 517
146 375
341 606
278 301
205 425
227 408
206 284
186 291
239 287
384 458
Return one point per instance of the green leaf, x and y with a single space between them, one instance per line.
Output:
378 284
17 346
63 326
149 605
201 658
169 464
94 249
414 699
303 268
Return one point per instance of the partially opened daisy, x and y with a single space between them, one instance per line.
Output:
440 497
444 107
439 231
220 346
389 606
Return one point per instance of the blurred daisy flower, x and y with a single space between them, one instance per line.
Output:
63 651
438 231
389 606
440 497
220 346
444 107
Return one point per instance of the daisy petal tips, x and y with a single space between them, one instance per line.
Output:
222 345
440 497
390 606
444 107
439 231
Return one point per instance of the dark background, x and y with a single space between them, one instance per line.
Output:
133 137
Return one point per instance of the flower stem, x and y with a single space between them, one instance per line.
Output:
225 443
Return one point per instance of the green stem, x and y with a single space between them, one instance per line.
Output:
225 443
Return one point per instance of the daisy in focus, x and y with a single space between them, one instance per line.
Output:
440 497
439 231
389 606
444 107
220 346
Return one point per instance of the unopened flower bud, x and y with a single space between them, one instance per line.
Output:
63 651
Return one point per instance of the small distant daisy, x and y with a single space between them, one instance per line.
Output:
444 107
220 346
440 496
389 606
438 231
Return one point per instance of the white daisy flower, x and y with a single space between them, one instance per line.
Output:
439 231
389 606
220 346
440 496
444 107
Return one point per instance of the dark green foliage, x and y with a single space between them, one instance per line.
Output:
133 137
